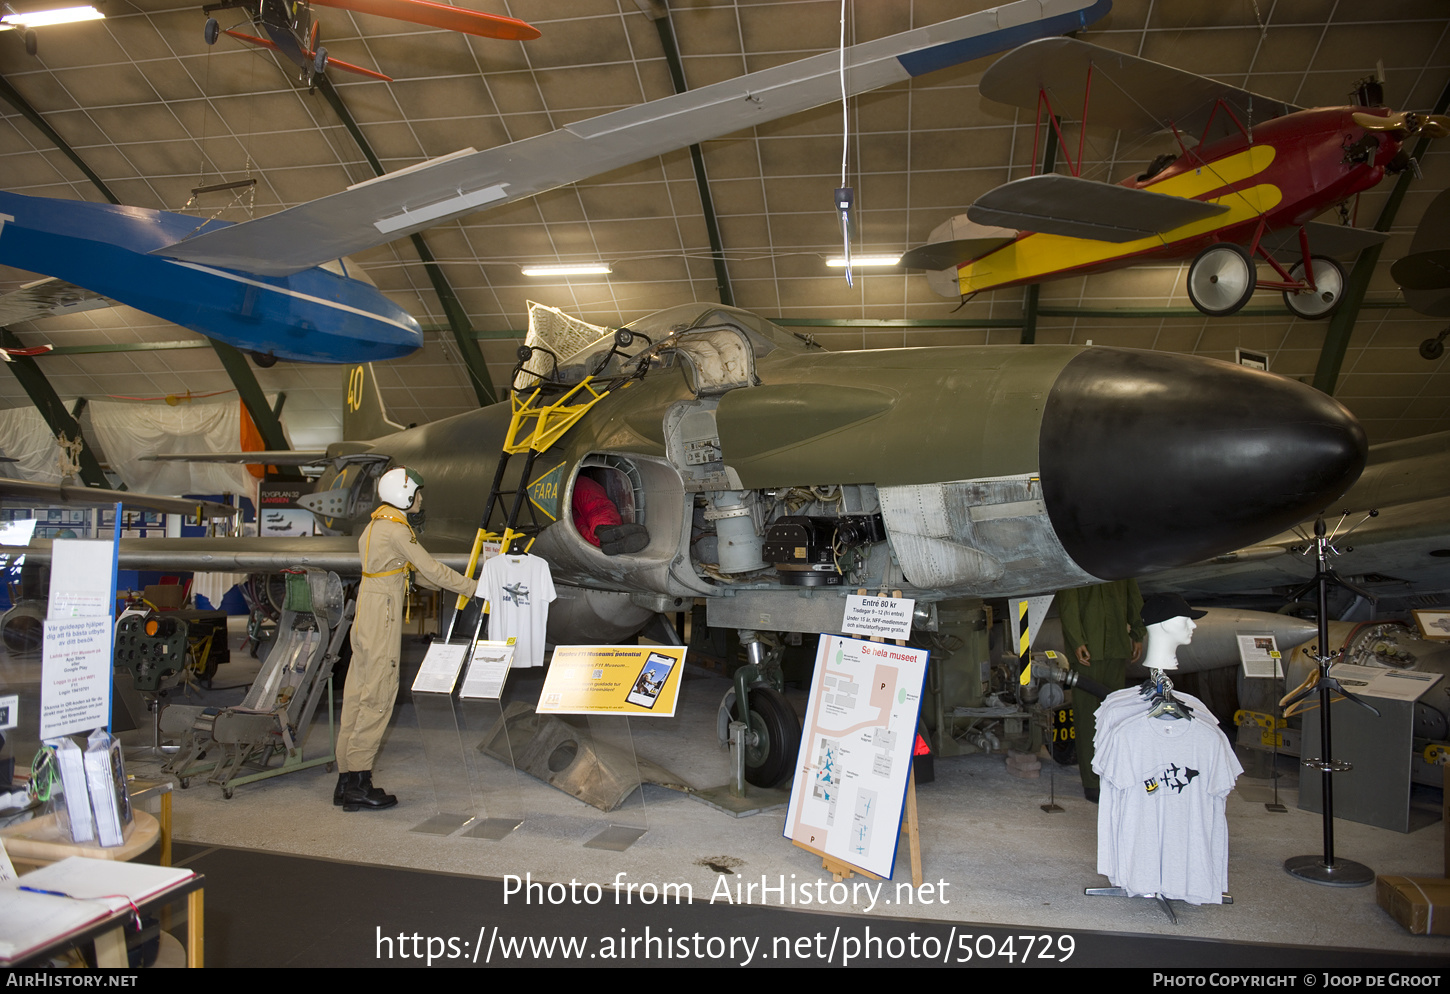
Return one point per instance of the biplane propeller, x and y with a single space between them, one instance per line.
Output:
293 31
1249 176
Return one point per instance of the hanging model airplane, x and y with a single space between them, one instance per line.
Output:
293 32
774 477
1250 176
274 286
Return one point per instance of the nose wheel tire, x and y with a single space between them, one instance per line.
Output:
1221 279
1324 298
772 757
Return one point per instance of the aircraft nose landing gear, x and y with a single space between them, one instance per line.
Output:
765 735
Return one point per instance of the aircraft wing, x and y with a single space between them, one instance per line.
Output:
935 256
242 555
267 457
1083 208
1128 93
30 492
47 298
400 203
1338 241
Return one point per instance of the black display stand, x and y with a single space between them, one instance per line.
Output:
1326 868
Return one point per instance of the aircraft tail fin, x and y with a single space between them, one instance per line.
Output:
363 415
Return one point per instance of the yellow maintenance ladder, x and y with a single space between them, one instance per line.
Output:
533 428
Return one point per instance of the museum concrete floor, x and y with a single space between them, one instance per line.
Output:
997 857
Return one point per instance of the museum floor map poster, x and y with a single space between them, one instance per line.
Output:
855 757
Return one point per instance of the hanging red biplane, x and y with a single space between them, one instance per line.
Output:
1250 175
292 30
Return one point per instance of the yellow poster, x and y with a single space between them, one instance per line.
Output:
618 679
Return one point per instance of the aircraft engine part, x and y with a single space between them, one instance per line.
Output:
152 647
549 748
806 551
1390 645
737 541
22 627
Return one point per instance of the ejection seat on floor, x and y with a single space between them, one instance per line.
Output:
274 718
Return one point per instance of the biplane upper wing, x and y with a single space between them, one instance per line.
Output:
1082 208
1128 93
47 298
389 207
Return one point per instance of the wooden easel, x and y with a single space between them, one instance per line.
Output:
840 870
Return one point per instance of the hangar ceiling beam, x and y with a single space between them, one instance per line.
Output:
453 309
14 99
1341 325
251 393
659 13
62 425
1034 290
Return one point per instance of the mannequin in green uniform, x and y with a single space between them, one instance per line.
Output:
389 551
1103 631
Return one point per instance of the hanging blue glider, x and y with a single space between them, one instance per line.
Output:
272 285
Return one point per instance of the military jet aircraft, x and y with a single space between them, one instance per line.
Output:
279 286
1250 175
773 477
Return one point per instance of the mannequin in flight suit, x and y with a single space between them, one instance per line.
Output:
389 550
1102 630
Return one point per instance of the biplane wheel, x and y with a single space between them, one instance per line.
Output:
319 62
212 31
32 43
1324 298
1221 279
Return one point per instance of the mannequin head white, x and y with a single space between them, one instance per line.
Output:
1171 625
1164 639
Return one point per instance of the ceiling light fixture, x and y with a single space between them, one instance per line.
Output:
588 269
857 261
46 18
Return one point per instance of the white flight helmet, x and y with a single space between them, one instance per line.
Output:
399 487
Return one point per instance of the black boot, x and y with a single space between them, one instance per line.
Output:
360 793
337 792
618 540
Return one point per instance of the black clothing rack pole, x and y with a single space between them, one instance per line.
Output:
1326 869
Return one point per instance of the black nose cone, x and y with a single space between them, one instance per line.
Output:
1151 460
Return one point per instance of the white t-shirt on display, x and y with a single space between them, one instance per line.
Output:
519 590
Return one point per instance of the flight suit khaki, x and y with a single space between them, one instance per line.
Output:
389 548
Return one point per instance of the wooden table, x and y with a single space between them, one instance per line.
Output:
40 841
108 932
